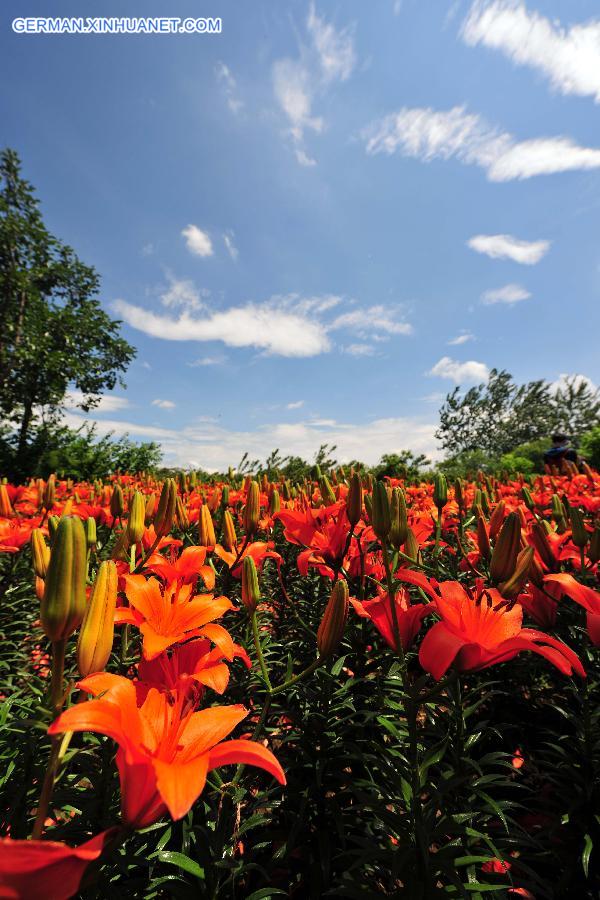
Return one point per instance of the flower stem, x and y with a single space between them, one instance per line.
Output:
56 703
259 653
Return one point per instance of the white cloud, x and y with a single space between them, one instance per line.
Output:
285 325
373 319
510 293
327 57
272 327
397 7
296 404
108 402
209 361
148 249
145 365
228 83
360 350
461 339
180 294
163 404
568 57
204 443
198 242
458 372
228 238
504 246
427 134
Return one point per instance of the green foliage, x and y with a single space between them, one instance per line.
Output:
55 334
404 464
590 446
77 453
498 416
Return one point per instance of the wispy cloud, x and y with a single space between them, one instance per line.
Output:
198 242
427 134
164 404
327 57
285 325
460 372
181 294
364 322
272 327
228 239
360 350
568 57
108 403
463 338
229 85
505 246
208 361
510 293
295 404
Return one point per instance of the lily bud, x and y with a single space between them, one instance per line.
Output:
483 538
63 605
579 534
98 627
40 553
229 535
117 502
250 585
527 498
398 518
497 518
49 492
411 546
207 536
274 502
354 501
137 516
6 509
506 549
90 532
181 516
511 588
163 519
380 518
150 507
327 494
458 494
594 548
539 540
369 507
225 497
440 491
252 509
333 623
52 526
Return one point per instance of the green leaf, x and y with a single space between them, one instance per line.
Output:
183 862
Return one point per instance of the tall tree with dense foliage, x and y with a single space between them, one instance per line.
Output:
54 334
497 416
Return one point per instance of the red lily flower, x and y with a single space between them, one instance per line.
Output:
564 584
189 666
165 749
379 611
170 615
39 870
324 535
477 632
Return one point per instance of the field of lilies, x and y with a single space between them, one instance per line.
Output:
337 688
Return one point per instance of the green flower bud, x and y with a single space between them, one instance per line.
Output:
579 534
399 519
380 519
506 549
163 518
63 604
250 585
440 490
137 516
354 500
333 623
98 627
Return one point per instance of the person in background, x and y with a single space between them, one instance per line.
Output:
560 449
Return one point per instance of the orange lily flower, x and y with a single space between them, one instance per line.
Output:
38 870
409 616
166 749
186 568
258 550
477 632
170 615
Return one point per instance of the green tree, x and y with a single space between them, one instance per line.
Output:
400 465
54 334
590 447
577 405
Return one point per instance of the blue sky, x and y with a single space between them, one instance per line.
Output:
316 223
